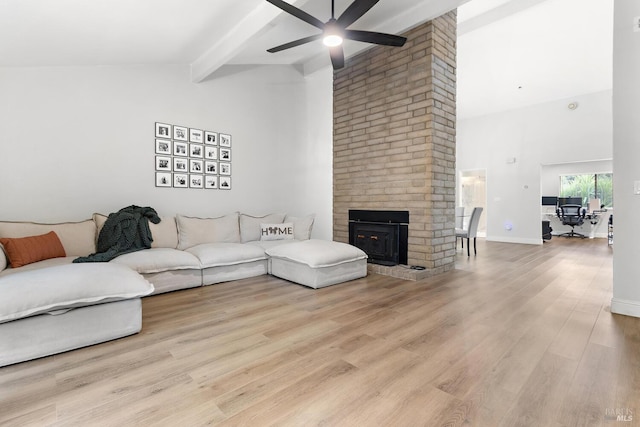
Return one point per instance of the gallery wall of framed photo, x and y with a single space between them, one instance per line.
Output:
192 158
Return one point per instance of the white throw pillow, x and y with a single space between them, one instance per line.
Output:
195 231
301 226
282 231
250 225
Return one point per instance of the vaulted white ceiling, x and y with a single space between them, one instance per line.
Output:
525 52
551 49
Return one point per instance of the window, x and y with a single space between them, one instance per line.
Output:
588 186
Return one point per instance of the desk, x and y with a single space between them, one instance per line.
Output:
591 220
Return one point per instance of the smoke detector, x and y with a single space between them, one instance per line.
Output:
572 106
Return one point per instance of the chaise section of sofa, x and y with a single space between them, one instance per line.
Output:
52 305
51 310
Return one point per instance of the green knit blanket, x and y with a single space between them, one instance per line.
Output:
123 232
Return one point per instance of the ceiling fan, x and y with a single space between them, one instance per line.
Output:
334 31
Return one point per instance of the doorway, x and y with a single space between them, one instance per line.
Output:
472 192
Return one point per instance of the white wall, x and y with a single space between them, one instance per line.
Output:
77 140
541 134
626 158
316 163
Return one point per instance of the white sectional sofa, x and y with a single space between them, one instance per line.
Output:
54 305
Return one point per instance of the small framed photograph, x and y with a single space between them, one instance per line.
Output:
225 168
163 179
196 150
210 138
210 153
195 135
163 130
211 168
210 181
163 146
180 149
163 163
225 182
180 180
180 133
196 181
225 140
195 166
179 165
225 154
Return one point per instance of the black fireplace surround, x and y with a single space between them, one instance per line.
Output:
382 235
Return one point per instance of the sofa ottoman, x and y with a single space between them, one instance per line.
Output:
317 263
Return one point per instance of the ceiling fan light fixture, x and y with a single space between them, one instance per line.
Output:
333 34
332 40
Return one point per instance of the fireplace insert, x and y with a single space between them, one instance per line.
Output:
382 235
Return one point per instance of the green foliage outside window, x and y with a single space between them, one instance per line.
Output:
588 186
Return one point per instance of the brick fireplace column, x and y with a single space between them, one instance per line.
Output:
394 139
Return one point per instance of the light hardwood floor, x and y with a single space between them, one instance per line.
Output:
519 335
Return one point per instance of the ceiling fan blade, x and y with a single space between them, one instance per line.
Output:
355 12
375 38
294 43
337 57
300 14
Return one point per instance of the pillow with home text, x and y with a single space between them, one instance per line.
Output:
283 231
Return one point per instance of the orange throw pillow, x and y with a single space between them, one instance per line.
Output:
26 250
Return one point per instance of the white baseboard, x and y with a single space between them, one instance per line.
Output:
626 307
515 240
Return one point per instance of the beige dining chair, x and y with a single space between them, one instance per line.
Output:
471 231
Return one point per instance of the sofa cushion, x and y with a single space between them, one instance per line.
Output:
266 244
317 253
250 225
156 260
195 231
3 258
219 254
67 286
27 250
164 234
52 262
77 238
302 226
269 232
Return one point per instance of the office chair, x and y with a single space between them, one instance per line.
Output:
470 231
571 215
